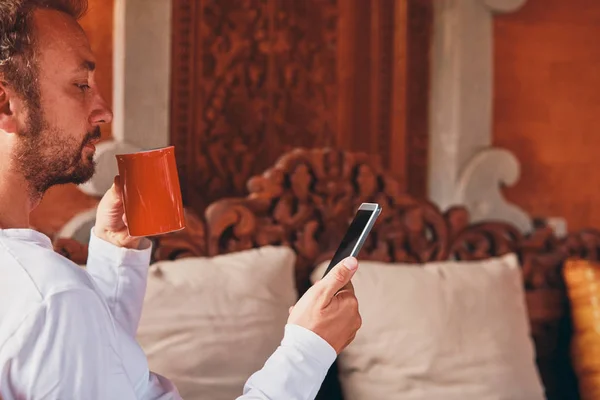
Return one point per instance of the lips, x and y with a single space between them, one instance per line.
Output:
92 143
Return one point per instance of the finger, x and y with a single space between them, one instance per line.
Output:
348 301
118 185
119 191
349 288
337 278
345 292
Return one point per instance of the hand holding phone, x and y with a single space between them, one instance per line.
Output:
329 308
357 233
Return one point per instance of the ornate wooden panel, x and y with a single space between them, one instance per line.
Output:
235 106
250 80
419 22
182 92
254 78
304 87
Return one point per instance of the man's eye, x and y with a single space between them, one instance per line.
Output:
83 87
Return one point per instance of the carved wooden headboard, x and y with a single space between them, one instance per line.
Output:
308 198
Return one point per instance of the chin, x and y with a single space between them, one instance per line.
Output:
84 173
81 179
87 158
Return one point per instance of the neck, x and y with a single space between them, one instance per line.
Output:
16 201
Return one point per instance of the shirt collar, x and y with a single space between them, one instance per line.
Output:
28 235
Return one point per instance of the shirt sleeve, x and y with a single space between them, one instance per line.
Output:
63 350
295 371
121 275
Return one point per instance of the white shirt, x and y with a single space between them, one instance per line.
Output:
69 333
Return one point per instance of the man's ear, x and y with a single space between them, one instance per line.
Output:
8 122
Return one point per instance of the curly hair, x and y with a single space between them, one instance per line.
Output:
17 52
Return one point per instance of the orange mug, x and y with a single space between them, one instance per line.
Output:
151 192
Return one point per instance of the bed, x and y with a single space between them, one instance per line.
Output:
305 201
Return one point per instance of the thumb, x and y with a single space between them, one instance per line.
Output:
338 277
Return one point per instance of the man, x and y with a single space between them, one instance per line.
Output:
69 333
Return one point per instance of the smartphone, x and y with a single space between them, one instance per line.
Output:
357 232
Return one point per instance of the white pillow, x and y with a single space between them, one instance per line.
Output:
446 330
209 323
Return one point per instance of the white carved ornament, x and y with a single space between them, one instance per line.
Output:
464 167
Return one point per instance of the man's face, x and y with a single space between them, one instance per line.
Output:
56 141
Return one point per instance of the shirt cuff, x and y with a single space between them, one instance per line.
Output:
123 256
310 344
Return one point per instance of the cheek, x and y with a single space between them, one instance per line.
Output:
68 116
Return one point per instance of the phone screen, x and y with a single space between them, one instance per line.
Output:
356 228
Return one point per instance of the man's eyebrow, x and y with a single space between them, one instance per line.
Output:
88 65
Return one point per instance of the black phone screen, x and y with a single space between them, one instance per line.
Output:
351 237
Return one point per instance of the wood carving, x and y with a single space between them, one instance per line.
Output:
234 108
307 201
303 75
253 79
189 242
183 97
419 37
259 76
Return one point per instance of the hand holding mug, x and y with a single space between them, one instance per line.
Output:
145 199
111 223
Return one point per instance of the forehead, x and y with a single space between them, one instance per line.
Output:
61 43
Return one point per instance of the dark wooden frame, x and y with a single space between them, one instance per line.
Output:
306 202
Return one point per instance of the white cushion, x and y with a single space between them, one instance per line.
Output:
447 330
209 323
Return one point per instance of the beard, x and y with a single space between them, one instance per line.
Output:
46 156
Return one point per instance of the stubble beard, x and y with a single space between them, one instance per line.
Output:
45 157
